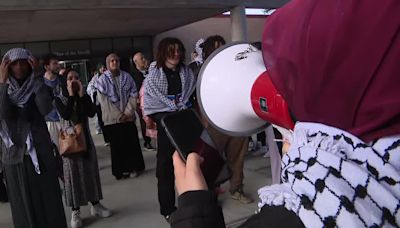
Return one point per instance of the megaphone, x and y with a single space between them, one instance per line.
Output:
235 93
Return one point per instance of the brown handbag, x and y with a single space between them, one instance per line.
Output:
72 140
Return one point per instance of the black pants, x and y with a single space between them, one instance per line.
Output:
261 137
3 190
146 139
126 154
101 123
165 172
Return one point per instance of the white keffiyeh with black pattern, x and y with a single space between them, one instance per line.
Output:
333 179
156 91
19 95
126 89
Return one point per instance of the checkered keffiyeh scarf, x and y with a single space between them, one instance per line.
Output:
156 91
199 51
333 179
105 85
19 96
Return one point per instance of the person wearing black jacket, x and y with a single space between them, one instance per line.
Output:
168 88
139 74
27 152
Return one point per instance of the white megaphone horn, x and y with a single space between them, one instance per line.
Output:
235 92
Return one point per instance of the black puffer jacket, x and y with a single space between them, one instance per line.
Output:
199 209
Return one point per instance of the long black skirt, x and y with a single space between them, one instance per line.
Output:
35 199
126 154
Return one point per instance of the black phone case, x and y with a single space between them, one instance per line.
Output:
225 172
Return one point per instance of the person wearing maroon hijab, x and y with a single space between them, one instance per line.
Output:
336 63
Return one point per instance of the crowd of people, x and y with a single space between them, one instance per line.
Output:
340 167
38 105
338 73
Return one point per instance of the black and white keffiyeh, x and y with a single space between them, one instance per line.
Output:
19 95
156 91
333 179
105 85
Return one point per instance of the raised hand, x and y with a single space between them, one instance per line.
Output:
123 118
70 88
4 68
34 63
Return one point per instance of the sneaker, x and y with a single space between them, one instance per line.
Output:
137 173
99 132
76 221
106 144
168 218
241 197
100 211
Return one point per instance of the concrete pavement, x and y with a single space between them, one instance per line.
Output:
134 201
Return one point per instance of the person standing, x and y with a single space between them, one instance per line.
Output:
168 88
117 95
139 74
81 172
52 79
28 156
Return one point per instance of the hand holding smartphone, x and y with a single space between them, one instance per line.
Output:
187 134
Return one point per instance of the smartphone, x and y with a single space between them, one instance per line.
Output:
187 134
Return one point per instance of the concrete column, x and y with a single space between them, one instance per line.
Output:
238 24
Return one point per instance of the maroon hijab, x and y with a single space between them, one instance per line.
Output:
337 62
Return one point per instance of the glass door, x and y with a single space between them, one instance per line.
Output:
80 66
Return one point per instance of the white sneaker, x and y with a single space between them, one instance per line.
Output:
76 221
100 211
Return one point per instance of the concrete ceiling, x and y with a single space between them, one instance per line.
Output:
40 20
